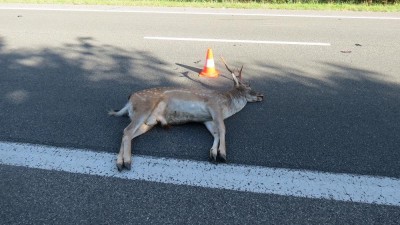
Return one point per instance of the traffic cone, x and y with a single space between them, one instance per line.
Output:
209 69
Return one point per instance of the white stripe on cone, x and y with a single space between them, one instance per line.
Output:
210 63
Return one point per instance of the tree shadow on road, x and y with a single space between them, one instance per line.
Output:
61 96
348 117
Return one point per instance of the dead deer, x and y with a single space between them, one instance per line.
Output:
171 105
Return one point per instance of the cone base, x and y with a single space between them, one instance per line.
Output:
213 74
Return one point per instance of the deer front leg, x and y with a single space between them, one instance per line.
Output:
218 120
214 132
222 146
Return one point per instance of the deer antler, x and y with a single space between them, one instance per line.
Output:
233 74
240 74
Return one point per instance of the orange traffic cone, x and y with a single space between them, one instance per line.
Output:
209 69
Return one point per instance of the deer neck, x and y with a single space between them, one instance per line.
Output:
235 100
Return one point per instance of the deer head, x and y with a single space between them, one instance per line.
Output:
240 85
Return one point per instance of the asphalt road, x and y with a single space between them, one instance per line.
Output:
327 108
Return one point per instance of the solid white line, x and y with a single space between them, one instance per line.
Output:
186 12
343 187
238 41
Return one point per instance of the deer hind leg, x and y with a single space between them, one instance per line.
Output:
134 129
211 126
124 155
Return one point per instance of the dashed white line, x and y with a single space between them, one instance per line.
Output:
238 41
287 182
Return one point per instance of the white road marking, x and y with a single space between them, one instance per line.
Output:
184 11
287 182
238 41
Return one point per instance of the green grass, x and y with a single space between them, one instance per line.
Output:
266 4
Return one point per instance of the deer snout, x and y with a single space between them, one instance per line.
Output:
254 97
260 97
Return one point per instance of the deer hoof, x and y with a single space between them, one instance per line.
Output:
127 165
166 126
221 158
213 155
119 167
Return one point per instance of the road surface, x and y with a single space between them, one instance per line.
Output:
332 87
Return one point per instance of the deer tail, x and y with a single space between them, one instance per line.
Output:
121 112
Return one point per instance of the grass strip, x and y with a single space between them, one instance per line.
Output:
271 4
